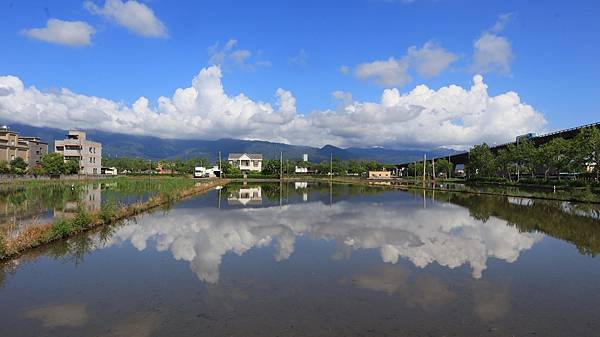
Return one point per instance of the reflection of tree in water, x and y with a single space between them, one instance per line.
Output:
548 217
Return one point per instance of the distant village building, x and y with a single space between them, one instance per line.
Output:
300 170
379 175
204 172
11 146
30 149
77 147
246 161
37 149
109 171
305 157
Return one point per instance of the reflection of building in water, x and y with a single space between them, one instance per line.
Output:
520 201
246 196
300 184
90 198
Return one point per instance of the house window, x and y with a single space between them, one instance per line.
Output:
90 159
255 163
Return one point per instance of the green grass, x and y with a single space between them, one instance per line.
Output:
61 228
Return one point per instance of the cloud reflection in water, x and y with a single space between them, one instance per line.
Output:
442 233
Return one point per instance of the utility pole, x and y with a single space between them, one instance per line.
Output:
281 166
331 166
449 168
220 172
424 167
433 168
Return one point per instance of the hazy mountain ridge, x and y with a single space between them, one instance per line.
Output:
115 144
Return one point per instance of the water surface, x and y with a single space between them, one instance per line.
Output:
318 260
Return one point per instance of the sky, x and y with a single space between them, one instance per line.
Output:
391 73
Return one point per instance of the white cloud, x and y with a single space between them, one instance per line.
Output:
70 33
228 56
431 59
135 16
344 70
492 52
428 61
423 117
386 73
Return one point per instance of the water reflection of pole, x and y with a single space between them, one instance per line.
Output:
424 199
219 198
330 193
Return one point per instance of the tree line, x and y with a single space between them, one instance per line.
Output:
573 156
51 163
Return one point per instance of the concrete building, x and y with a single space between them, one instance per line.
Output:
379 175
11 146
77 147
37 148
246 161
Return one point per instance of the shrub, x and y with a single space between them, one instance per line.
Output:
61 228
108 211
82 219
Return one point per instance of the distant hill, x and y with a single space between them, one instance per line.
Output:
115 144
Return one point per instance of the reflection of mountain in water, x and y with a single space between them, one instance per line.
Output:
442 233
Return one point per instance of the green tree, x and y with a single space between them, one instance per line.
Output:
71 167
481 161
18 165
505 163
53 163
270 167
4 167
443 166
555 155
588 149
36 170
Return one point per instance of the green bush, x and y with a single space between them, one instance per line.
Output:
108 211
82 219
61 228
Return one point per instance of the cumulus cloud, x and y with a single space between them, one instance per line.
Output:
228 56
431 59
493 52
428 61
70 33
423 117
135 16
344 70
386 73
443 233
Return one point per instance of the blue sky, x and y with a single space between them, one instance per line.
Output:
300 46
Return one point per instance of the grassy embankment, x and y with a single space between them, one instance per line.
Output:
168 191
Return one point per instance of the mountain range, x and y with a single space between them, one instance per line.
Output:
119 145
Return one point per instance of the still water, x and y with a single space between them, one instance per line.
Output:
37 204
318 260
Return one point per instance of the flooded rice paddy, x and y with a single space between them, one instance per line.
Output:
304 259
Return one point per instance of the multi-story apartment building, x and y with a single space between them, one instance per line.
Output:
37 148
11 145
77 147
